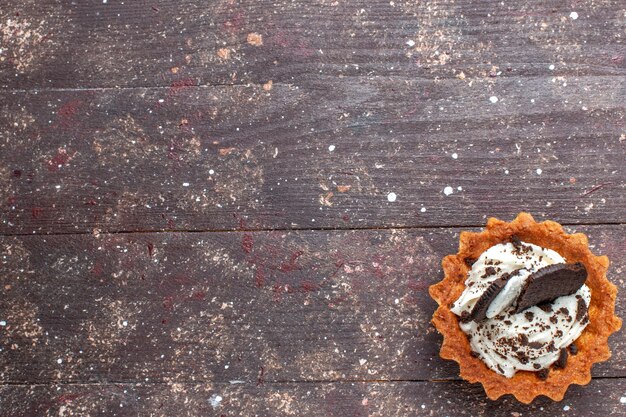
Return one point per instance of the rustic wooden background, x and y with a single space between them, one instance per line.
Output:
235 208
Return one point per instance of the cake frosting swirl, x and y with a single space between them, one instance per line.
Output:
532 339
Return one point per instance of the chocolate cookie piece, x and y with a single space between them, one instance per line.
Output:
516 241
581 308
550 283
470 261
479 312
561 362
543 374
466 317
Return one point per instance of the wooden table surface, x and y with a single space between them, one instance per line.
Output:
235 207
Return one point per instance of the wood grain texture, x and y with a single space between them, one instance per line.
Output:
601 398
326 154
254 307
155 43
253 118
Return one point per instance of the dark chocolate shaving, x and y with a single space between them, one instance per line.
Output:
561 362
522 358
585 319
523 339
573 349
550 283
543 374
470 261
516 241
581 309
466 317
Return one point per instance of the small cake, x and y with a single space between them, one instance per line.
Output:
525 309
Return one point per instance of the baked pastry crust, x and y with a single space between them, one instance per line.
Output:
593 342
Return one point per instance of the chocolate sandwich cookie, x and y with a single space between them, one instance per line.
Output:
550 283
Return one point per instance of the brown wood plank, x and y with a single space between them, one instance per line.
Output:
156 43
327 154
263 306
601 398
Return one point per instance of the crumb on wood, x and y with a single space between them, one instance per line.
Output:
255 39
224 53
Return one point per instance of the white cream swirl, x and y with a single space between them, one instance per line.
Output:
532 339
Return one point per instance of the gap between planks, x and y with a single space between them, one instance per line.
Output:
121 88
278 382
251 83
294 229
